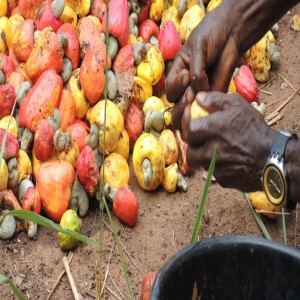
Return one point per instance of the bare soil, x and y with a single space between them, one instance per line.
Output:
165 221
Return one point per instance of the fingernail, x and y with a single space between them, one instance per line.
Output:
185 77
200 96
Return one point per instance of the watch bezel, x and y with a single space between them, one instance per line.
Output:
274 164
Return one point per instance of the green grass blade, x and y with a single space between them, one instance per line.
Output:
202 205
284 225
258 219
16 291
119 250
36 218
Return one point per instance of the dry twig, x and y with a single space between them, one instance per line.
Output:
271 115
106 273
275 119
71 279
266 92
119 298
70 256
286 81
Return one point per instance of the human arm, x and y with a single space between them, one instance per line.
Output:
244 142
207 60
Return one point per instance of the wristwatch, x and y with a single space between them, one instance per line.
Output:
274 177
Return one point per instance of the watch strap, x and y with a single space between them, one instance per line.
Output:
279 145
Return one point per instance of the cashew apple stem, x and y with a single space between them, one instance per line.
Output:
147 171
57 7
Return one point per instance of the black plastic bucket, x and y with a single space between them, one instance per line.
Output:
231 267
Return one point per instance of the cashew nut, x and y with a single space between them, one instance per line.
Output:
147 171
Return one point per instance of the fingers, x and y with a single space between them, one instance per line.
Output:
179 108
178 79
224 67
198 76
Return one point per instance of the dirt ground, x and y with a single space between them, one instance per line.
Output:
165 221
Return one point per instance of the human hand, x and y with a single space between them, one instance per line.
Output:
238 130
207 60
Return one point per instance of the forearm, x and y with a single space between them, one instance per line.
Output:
292 164
251 19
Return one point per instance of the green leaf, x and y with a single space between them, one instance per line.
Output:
36 218
16 291
202 205
258 219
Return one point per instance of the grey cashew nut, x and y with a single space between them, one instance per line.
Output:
134 6
54 120
66 71
112 89
26 139
154 41
32 229
23 90
79 199
2 77
154 119
63 42
113 47
139 51
93 137
133 19
7 226
61 140
13 174
57 7
147 171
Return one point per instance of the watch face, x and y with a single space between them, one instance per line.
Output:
274 185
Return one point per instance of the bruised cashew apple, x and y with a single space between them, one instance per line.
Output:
169 145
148 161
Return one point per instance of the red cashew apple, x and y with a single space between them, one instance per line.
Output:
124 59
7 99
31 200
87 170
72 50
11 146
245 83
43 141
45 16
147 29
125 204
79 131
147 285
28 8
7 65
39 103
54 181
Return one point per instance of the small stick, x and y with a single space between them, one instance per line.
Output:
269 117
115 285
275 119
271 212
70 256
286 81
71 279
266 92
106 273
119 298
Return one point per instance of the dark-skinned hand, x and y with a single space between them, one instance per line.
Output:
238 130
205 62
